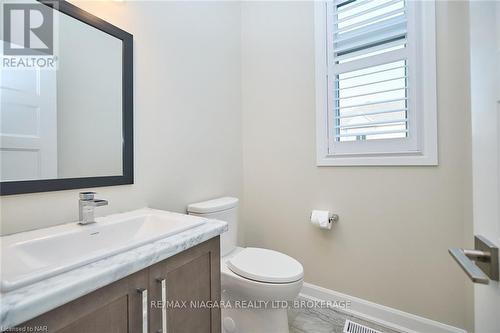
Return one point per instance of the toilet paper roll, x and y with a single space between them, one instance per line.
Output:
321 219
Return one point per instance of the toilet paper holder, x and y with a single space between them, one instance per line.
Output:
333 218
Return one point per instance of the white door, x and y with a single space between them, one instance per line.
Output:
485 108
28 124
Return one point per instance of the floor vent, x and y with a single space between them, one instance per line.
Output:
352 327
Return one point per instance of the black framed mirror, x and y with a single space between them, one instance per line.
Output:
68 126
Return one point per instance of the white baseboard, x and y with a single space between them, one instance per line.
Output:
382 315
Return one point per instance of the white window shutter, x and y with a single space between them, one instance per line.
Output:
375 82
370 89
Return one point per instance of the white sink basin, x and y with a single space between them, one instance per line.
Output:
31 256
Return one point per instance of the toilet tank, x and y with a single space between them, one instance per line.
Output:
224 209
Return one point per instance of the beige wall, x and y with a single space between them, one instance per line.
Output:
187 113
396 223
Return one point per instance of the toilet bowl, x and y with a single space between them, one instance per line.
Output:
256 283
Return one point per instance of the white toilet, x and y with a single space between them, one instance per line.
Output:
256 282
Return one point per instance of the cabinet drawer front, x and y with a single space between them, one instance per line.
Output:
114 308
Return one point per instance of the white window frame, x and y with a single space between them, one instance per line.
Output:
420 148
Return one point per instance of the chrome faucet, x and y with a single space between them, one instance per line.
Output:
86 206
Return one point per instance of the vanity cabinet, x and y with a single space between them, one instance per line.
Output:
175 294
187 284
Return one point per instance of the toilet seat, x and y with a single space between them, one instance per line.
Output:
265 265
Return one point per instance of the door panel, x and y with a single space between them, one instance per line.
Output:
28 124
485 111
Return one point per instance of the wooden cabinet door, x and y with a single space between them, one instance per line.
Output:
116 308
191 280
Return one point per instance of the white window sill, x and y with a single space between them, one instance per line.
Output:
394 160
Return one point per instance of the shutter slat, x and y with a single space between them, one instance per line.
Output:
382 37
342 2
372 124
369 73
373 103
373 113
371 133
371 93
356 54
374 82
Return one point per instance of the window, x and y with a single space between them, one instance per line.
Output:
376 82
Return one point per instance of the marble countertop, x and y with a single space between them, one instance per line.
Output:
20 305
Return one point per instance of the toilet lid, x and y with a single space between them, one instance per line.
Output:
266 266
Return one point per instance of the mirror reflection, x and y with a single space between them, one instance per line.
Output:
67 122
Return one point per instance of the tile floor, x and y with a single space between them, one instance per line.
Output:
324 320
